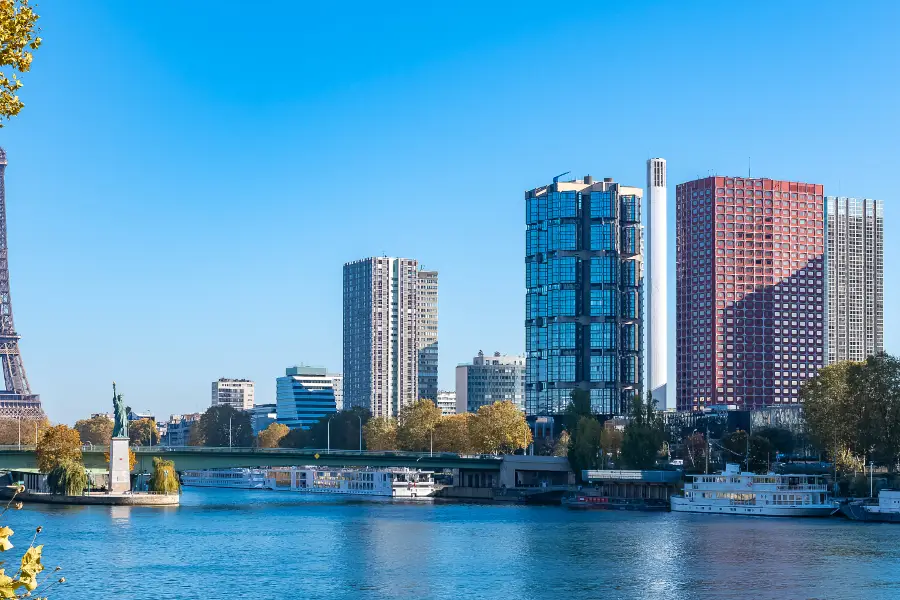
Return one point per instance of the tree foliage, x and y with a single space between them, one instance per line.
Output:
30 430
451 434
852 410
644 434
380 433
584 448
143 432
164 479
217 423
755 452
96 430
67 478
561 447
295 438
696 449
58 444
271 436
416 424
781 440
344 430
499 428
611 443
18 39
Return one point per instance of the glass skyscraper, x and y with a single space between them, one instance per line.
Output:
584 298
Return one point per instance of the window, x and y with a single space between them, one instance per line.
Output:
602 236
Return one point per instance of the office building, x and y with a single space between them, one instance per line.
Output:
584 299
262 416
427 329
490 379
855 265
381 342
750 288
657 272
337 382
236 393
304 396
446 401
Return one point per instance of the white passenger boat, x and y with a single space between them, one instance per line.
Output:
732 492
250 479
390 483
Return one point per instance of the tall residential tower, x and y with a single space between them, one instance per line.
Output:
855 278
386 301
657 313
750 287
584 298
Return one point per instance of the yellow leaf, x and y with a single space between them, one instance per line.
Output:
5 544
31 566
7 586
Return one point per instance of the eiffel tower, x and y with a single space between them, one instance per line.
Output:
16 399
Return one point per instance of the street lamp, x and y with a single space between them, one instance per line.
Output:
358 416
229 432
329 432
150 427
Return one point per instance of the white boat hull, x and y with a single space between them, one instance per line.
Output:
680 504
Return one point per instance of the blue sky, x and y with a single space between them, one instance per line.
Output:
187 178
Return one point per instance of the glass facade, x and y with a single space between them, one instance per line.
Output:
583 303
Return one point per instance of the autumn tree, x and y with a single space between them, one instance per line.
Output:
271 436
24 431
58 443
18 39
499 428
143 432
222 426
451 434
164 479
380 433
415 425
96 430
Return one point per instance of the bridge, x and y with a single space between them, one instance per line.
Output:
201 457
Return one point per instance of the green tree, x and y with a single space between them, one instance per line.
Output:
271 436
415 425
380 433
344 429
561 448
781 439
295 438
58 444
755 452
164 479
584 448
644 435
828 408
611 444
18 39
222 423
142 431
499 428
695 453
451 434
96 430
67 478
579 406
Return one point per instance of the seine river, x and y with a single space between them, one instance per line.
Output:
263 544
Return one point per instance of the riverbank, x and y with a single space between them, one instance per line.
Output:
96 499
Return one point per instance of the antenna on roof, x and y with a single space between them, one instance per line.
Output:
748 167
556 179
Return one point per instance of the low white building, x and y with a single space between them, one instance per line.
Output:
490 379
446 401
236 393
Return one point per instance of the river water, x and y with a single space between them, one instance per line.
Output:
263 544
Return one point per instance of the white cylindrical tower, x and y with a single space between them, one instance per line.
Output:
657 315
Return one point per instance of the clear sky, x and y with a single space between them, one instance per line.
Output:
187 178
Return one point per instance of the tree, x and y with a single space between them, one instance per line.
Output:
696 449
644 435
18 39
271 436
781 439
380 433
26 431
344 429
58 444
295 438
611 443
163 480
499 428
584 449
561 448
143 432
415 425
579 406
67 478
451 434
828 408
96 430
755 451
222 426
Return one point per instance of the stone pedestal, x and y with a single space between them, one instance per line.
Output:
119 471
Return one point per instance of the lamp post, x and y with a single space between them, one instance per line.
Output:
871 479
150 427
358 416
229 432
20 431
329 433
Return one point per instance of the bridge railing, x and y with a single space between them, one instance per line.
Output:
310 452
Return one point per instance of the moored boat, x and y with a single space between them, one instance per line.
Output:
887 510
239 478
391 483
734 492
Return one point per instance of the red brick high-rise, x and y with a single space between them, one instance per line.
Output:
750 287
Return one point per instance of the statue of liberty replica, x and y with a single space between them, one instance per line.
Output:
119 467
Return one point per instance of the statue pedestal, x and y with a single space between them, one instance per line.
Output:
119 471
